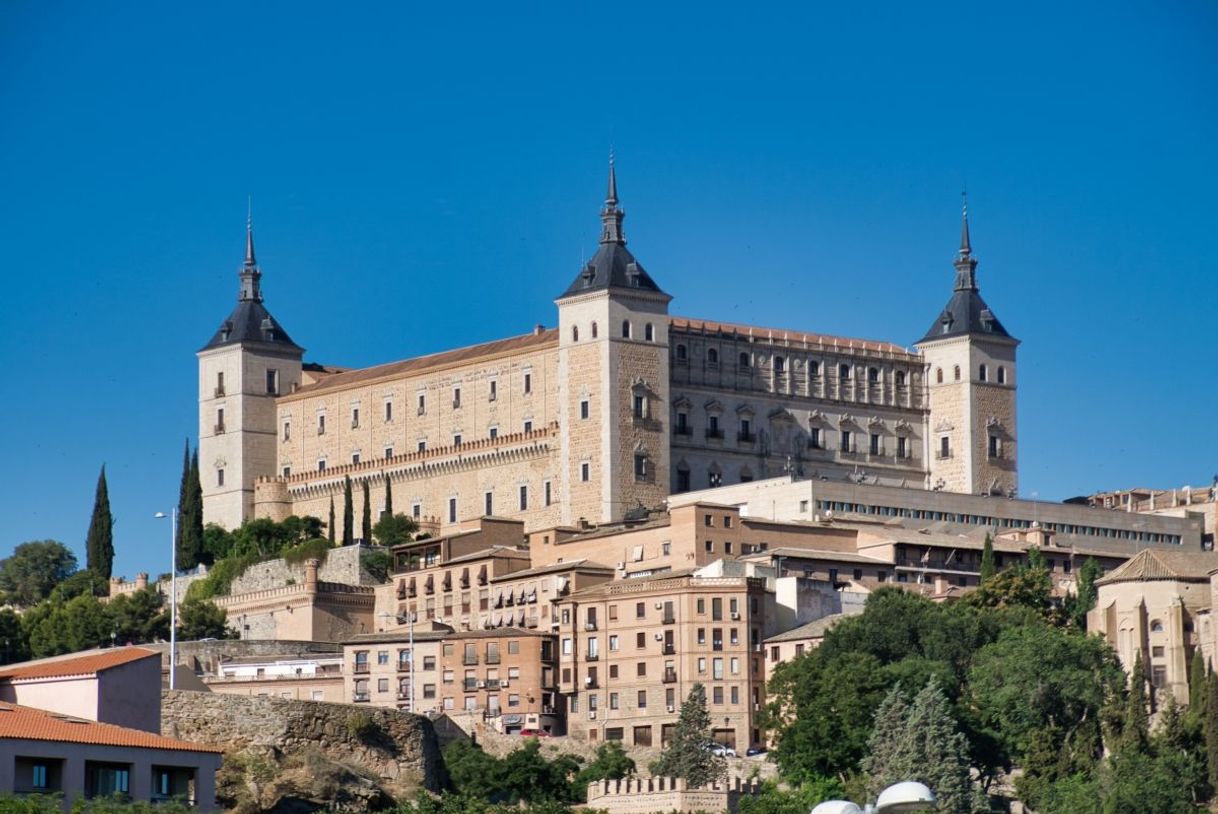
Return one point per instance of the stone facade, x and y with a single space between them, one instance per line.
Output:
618 407
669 794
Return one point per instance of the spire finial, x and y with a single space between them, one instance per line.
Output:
965 247
249 232
250 274
611 215
611 196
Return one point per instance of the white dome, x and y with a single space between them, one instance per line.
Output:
837 807
907 796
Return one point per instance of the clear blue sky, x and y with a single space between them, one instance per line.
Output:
428 175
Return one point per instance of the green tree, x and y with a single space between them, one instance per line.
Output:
348 512
388 512
988 568
794 800
79 624
1136 726
33 570
199 619
330 533
138 617
393 529
1027 585
611 763
192 548
1211 728
82 583
217 543
1196 684
14 646
921 741
366 524
1042 690
99 543
687 755
1084 599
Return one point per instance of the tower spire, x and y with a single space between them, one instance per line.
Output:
611 215
250 274
966 264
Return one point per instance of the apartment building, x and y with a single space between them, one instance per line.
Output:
630 652
306 677
507 675
378 668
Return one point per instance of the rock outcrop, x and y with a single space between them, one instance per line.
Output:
295 757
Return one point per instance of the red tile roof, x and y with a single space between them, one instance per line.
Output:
88 664
27 723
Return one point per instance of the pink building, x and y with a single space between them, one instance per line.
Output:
89 725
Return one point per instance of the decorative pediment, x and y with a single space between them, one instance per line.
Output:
682 465
845 418
875 421
220 462
714 468
816 416
944 426
713 406
781 414
902 427
993 422
681 402
744 411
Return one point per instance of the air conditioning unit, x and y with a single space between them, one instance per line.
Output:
671 709
588 681
592 715
659 606
735 617
481 685
621 566
659 637
503 684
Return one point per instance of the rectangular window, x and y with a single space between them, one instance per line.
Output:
717 669
640 639
547 493
422 446
845 440
902 447
528 383
494 433
422 403
388 411
945 449
583 409
416 510
716 608
613 642
38 777
220 384
354 418
995 447
321 424
321 465
388 452
452 510
584 471
493 393
355 458
287 471
272 382
717 696
287 430
640 406
490 504
456 397
640 610
219 477
528 426
220 420
524 498
814 438
875 443
456 440
640 467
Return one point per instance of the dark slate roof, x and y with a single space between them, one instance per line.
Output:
246 325
612 267
965 313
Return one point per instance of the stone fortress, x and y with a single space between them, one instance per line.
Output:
619 406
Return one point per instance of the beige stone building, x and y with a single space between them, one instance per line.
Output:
1187 501
1160 605
618 406
313 610
795 642
630 652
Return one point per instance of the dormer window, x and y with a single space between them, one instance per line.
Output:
987 319
588 275
632 274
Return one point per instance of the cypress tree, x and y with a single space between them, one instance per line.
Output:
183 491
388 497
330 529
1211 727
1137 723
190 518
1196 683
987 559
99 544
366 525
348 513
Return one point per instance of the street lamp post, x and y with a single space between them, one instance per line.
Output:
173 594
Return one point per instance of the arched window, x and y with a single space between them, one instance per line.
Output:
900 378
712 356
983 373
939 375
780 364
574 333
625 329
649 333
957 372
813 368
1156 626
681 352
873 375
1002 375
594 331
843 372
744 360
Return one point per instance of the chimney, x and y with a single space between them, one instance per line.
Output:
310 566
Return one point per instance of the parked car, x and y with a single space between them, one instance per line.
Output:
719 750
755 751
534 733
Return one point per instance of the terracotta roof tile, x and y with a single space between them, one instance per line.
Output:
812 630
1155 564
27 723
90 663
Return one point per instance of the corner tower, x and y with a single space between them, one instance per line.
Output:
246 365
971 379
613 381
